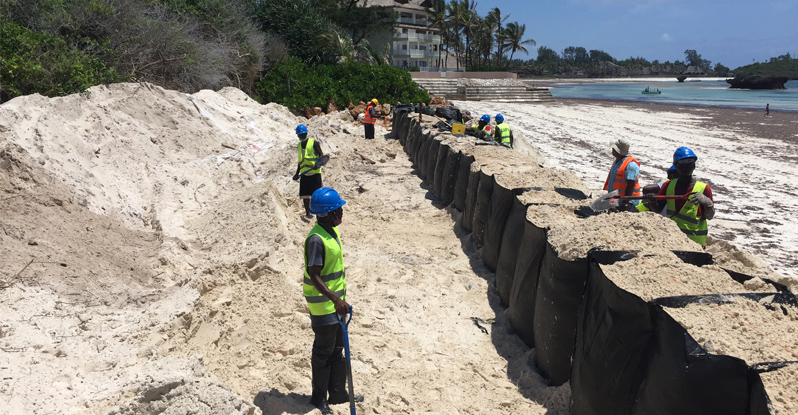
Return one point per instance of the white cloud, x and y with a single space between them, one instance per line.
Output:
666 37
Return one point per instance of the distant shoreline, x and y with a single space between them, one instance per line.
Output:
779 126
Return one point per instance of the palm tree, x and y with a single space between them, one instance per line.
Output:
454 21
515 33
437 18
471 22
343 48
495 20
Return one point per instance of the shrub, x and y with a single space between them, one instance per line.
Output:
297 86
36 62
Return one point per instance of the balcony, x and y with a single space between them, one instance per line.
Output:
410 20
417 37
415 53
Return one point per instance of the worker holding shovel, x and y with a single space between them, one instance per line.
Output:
324 288
696 207
307 170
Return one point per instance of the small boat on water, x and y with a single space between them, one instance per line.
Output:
651 91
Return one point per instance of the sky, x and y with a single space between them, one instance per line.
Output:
732 32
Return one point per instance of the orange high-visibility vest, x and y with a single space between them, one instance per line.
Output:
368 119
620 179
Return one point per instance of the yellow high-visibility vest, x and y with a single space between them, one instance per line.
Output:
307 158
687 218
332 273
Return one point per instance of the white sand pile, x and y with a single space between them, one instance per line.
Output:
179 227
656 273
618 232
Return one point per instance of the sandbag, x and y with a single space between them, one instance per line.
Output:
521 308
461 186
482 208
613 340
431 161
559 296
682 378
472 193
501 200
508 251
449 177
440 166
419 151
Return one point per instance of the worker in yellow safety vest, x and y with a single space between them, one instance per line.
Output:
653 188
308 176
502 133
690 215
623 174
369 118
324 288
481 128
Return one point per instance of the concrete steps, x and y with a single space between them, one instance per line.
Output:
449 89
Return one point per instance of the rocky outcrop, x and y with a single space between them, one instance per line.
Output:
758 82
681 78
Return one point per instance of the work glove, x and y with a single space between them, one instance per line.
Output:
700 199
296 177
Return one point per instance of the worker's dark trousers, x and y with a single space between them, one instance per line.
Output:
329 366
369 131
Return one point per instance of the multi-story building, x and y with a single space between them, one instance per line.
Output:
413 42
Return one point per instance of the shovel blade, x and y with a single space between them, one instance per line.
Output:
605 202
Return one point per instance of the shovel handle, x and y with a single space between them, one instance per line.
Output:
657 197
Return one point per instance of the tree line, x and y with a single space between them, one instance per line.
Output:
59 47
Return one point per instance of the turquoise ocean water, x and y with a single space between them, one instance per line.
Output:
698 93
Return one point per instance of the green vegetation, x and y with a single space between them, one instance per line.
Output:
58 47
36 62
782 66
296 85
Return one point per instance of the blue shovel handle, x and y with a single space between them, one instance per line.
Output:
345 327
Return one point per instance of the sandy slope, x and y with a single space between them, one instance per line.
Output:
166 264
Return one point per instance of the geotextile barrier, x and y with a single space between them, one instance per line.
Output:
613 337
481 209
440 166
449 177
461 187
559 296
510 244
501 200
521 307
622 355
431 160
471 200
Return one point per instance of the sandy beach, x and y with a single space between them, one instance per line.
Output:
747 159
151 250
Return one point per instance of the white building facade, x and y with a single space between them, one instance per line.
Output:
414 43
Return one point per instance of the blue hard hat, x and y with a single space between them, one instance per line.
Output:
672 167
499 118
485 118
301 129
683 153
325 200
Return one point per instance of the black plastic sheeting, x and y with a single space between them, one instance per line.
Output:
613 338
682 378
510 243
521 308
501 201
440 166
449 177
432 161
450 114
461 187
422 154
631 357
472 193
559 296
481 208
